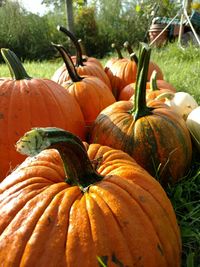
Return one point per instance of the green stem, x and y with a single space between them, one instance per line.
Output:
117 50
17 70
140 108
79 55
78 168
153 81
69 63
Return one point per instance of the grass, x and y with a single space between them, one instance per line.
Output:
182 69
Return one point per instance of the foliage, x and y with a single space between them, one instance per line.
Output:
86 29
25 33
98 23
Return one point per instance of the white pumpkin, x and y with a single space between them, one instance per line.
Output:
193 124
183 103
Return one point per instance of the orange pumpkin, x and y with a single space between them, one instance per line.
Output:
154 135
154 88
27 102
82 67
152 65
121 73
112 60
91 93
95 210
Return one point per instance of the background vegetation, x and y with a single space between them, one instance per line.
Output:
97 23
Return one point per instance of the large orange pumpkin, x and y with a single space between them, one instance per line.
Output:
27 102
91 93
103 207
154 135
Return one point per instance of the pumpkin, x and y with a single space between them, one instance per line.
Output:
91 93
69 207
152 65
80 51
182 102
27 102
83 67
193 124
121 72
154 135
154 88
112 60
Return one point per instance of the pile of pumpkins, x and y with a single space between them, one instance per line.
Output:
85 160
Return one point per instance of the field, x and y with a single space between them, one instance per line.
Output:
181 67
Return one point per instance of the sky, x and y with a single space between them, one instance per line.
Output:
34 6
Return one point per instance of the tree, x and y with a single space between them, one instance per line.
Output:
68 6
70 17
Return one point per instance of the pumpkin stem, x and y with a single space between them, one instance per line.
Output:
153 81
78 168
113 45
68 62
140 108
79 54
128 47
134 58
17 70
132 54
82 47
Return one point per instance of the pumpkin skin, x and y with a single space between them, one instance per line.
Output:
121 73
92 95
153 134
40 210
31 102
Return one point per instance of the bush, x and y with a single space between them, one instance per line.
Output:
27 34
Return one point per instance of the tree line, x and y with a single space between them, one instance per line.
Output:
98 23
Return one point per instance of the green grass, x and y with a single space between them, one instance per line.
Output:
44 69
185 198
182 69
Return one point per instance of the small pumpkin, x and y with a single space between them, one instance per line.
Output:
152 65
70 207
80 51
121 72
113 59
91 93
82 67
193 124
182 102
27 102
154 135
